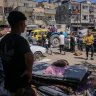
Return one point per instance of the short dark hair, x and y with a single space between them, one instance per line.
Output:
14 17
61 32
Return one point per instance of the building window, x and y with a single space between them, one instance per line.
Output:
84 7
85 17
62 17
73 16
73 8
91 9
39 17
77 7
49 17
26 4
91 18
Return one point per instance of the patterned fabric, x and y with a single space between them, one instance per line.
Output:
53 70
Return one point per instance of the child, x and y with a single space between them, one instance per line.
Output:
46 44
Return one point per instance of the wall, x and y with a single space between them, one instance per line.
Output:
84 12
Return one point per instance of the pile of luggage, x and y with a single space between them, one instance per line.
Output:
75 81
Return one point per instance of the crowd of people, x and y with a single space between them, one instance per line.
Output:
71 43
68 42
79 42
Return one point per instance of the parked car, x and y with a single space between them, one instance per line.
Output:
38 51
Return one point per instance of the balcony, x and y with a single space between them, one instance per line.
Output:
75 11
25 9
91 20
91 10
84 20
52 22
75 21
50 11
7 9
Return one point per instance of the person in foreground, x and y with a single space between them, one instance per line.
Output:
16 56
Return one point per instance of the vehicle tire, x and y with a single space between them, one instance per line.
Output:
54 39
37 55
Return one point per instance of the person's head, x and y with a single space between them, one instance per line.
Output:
34 35
71 33
79 32
61 63
61 33
89 33
16 19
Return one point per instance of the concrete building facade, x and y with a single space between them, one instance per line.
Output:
37 13
76 14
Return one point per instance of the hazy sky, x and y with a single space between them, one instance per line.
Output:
90 0
76 0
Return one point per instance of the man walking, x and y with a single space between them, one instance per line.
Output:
62 42
72 42
80 45
16 56
89 45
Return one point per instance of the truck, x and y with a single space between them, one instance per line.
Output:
54 38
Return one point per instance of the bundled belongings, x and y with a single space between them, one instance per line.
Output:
78 53
53 91
67 75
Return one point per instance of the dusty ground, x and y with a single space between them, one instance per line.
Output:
72 59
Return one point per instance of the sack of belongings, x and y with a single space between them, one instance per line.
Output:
78 53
